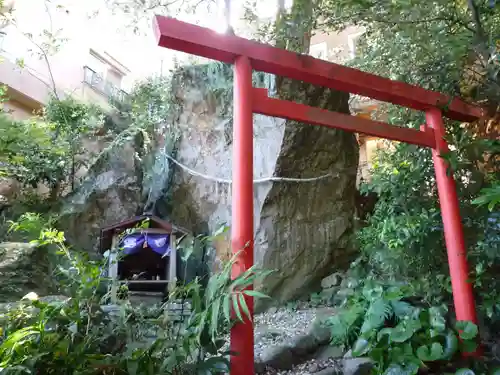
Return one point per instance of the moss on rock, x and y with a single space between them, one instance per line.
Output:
24 268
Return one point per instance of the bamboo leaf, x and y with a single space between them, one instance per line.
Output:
226 307
255 294
236 308
215 317
244 306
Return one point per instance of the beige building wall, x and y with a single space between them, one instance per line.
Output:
336 47
77 69
17 110
68 71
27 70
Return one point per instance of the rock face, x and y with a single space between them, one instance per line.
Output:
24 268
111 192
302 228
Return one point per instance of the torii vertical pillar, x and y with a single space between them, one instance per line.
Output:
242 339
453 233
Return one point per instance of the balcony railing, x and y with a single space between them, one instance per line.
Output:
95 80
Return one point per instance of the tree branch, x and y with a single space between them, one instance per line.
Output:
476 19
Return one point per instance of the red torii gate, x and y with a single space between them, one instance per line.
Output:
247 55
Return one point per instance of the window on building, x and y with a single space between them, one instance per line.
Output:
319 51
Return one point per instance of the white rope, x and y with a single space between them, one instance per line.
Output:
258 181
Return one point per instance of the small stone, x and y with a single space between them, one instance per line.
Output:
329 293
357 366
349 282
313 367
278 357
272 310
320 332
348 354
329 351
302 345
330 281
266 334
330 371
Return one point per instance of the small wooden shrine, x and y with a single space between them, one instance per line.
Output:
142 253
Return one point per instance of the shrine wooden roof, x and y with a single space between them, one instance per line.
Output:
107 233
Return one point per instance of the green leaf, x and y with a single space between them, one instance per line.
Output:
20 62
18 338
220 231
242 281
397 369
255 294
214 324
236 308
360 347
244 307
469 346
436 319
451 345
376 315
489 197
434 353
226 307
401 308
405 330
467 329
465 371
383 332
132 367
214 365
203 319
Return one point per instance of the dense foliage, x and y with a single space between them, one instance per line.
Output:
452 48
402 334
403 238
78 334
48 148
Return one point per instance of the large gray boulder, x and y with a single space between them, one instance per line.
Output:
302 228
24 268
110 192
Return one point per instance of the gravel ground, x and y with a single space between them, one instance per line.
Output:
312 367
276 326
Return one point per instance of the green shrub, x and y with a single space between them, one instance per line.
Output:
418 340
77 335
400 335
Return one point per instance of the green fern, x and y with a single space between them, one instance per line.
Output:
346 325
367 312
376 315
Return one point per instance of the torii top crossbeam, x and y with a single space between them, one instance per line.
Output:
200 41
247 55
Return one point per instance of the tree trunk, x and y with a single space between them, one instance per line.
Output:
227 16
54 192
308 225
